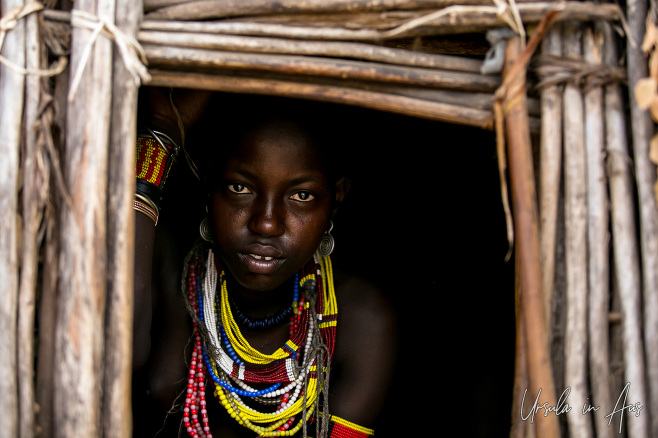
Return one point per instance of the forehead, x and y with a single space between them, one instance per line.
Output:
277 147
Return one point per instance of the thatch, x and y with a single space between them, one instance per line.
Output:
560 85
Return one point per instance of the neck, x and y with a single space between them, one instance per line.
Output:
260 304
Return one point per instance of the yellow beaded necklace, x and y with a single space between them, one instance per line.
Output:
302 394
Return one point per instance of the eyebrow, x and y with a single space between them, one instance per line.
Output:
294 181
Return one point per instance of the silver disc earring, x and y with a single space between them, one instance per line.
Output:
205 230
327 243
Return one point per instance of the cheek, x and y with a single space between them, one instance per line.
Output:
308 231
226 222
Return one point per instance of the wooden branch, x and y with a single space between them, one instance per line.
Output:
643 129
204 9
83 276
452 19
598 239
520 428
35 187
526 230
117 389
575 183
550 161
359 51
11 90
456 19
367 99
196 59
626 252
645 176
51 122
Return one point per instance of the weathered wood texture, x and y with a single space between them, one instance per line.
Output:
598 237
117 409
11 90
643 129
526 214
73 218
575 165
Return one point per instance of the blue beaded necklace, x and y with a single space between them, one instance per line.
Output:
267 322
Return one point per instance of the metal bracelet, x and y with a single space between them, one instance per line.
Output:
158 136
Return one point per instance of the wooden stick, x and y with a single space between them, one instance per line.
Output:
452 19
598 239
526 228
35 186
219 8
398 104
188 59
519 427
360 51
117 409
264 6
575 184
11 90
82 280
50 122
645 173
550 160
626 252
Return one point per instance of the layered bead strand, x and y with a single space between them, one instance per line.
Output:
233 365
195 398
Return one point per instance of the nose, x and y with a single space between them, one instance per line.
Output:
267 218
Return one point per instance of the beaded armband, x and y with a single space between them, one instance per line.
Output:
155 155
341 428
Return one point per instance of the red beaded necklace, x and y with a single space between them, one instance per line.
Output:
315 312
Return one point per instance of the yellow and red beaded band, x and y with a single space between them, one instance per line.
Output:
153 163
341 428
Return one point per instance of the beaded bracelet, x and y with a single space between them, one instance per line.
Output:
341 428
155 155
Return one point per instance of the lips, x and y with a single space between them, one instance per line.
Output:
262 259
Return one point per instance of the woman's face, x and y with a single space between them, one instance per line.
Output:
270 208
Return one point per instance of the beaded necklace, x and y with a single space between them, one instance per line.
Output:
294 375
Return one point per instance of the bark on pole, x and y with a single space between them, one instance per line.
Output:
11 90
526 231
645 173
598 237
550 173
575 207
117 412
82 286
35 186
626 253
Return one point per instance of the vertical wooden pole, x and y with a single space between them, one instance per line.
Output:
598 238
117 412
575 184
53 120
35 186
645 173
526 230
83 276
11 109
550 161
626 252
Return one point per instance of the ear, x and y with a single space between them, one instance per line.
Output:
342 187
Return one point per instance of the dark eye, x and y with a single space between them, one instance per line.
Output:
239 188
302 197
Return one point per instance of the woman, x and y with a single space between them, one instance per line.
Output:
290 346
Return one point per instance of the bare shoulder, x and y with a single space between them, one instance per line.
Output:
364 306
366 348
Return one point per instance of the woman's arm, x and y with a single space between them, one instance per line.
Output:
169 112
